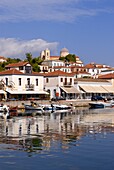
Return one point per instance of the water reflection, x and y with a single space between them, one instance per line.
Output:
36 134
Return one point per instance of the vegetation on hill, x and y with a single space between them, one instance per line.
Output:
35 62
9 61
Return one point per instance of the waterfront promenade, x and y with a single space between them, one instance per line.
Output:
75 103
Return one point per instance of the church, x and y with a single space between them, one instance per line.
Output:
46 55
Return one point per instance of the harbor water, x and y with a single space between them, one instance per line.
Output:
81 139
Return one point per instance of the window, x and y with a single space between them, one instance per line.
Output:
70 81
65 81
28 81
36 82
21 68
61 79
28 69
47 80
19 81
6 81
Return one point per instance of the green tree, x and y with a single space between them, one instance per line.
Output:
70 57
36 68
12 60
29 57
62 58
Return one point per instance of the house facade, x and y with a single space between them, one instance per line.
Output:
22 66
91 87
18 85
95 69
60 84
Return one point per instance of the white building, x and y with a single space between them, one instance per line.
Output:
53 63
60 84
95 69
22 66
18 85
89 87
66 69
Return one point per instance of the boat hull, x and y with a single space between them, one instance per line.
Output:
100 105
96 106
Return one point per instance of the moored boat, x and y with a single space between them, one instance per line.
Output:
46 107
96 105
53 107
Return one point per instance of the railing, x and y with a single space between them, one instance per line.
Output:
67 84
29 87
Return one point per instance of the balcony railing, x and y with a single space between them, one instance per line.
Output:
29 87
67 84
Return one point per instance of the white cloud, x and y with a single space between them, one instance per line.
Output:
57 10
11 47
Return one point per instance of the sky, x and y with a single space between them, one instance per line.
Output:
84 27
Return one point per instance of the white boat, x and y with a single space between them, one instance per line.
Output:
101 104
37 108
53 107
47 107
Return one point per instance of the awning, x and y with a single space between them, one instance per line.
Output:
109 88
87 88
99 89
93 89
27 92
70 90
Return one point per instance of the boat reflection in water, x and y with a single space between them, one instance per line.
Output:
34 134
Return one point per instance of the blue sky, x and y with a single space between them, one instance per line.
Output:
84 27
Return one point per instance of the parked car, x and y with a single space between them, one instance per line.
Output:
110 98
57 98
96 98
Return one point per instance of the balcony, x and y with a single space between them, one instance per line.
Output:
67 84
29 87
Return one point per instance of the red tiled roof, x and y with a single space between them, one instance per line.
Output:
76 66
90 80
81 72
58 73
37 74
107 76
21 63
10 72
94 65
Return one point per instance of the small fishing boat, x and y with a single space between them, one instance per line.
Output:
46 107
53 107
95 105
35 107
